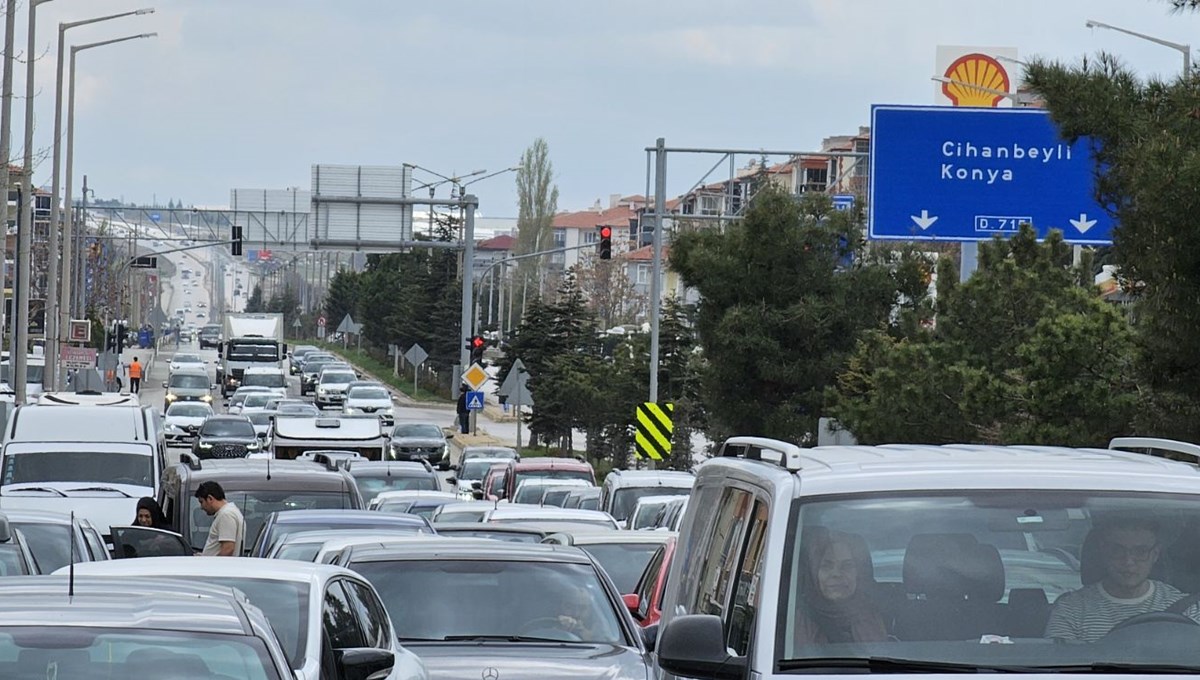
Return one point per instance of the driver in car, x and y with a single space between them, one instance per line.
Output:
1129 549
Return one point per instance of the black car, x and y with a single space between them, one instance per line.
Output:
311 370
209 336
226 437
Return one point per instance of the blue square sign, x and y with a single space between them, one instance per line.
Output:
969 174
474 401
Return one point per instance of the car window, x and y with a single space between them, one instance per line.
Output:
370 487
744 602
647 581
417 430
189 410
710 594
338 618
368 393
371 615
337 377
623 562
227 428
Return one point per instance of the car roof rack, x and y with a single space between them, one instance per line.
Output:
1157 447
190 460
780 453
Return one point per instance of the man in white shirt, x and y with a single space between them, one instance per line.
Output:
228 530
1129 549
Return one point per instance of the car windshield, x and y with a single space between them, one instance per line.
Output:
418 430
368 393
446 514
189 410
624 562
301 552
522 475
182 381
260 418
241 351
223 427
264 380
33 373
257 399
256 505
549 600
930 578
625 499
281 530
531 492
299 410
489 453
475 470
372 486
186 359
130 652
337 377
88 467
286 605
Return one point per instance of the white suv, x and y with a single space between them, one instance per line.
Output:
936 559
274 379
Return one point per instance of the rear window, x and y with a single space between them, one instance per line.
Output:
337 377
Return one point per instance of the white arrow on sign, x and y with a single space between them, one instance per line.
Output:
1083 223
925 221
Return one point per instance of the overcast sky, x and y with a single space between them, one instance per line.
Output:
251 93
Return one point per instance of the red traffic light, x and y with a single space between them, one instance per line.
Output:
605 232
477 342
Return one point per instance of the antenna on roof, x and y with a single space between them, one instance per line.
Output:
71 573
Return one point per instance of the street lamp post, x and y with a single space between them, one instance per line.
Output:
1017 98
57 321
25 223
65 303
1185 49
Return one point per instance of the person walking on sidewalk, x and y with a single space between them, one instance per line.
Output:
135 376
464 413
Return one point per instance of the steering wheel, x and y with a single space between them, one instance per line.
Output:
547 622
1150 618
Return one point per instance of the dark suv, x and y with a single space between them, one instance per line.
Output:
256 487
226 437
209 336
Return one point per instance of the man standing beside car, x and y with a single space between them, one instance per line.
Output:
228 531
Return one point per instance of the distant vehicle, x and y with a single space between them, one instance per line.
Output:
269 377
183 420
418 441
570 520
226 437
193 361
622 488
421 503
374 477
371 400
331 386
294 436
249 340
188 384
280 524
210 336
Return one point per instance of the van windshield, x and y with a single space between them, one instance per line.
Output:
264 380
1056 578
104 467
244 351
33 373
183 381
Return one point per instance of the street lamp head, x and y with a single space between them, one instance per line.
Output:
148 35
145 10
1091 24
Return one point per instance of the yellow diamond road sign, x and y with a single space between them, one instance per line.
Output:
654 429
475 377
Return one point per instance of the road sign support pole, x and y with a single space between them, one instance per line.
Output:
660 206
968 260
470 203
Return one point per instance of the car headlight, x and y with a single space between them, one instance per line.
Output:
321 390
205 445
253 445
207 397
172 427
171 397
389 411
348 411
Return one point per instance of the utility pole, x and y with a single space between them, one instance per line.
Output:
660 206
470 203
6 92
21 290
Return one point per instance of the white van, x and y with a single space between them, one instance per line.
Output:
95 461
274 379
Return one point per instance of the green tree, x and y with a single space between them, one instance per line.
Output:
1023 352
255 303
781 308
342 298
1146 143
537 201
285 302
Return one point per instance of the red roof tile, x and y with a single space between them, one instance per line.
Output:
501 242
590 219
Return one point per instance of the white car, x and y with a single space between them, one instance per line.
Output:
254 401
297 598
550 517
371 399
183 420
187 361
274 379
471 471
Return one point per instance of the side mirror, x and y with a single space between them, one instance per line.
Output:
361 663
477 494
693 645
451 480
215 386
164 384
477 486
631 601
453 467
443 466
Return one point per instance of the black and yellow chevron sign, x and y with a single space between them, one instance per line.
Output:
654 428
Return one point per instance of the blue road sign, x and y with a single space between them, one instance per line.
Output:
252 256
965 174
474 401
155 217
843 201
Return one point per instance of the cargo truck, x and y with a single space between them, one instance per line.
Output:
249 340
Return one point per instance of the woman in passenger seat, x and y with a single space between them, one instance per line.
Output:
839 603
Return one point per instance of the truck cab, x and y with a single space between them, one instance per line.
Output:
249 341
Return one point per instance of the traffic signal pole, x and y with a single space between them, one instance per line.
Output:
660 206
514 258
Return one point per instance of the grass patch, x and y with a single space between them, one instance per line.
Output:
380 370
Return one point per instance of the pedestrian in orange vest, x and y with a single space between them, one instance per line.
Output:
135 376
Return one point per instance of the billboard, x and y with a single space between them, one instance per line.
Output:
354 206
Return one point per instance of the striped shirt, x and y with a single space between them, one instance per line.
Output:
1088 614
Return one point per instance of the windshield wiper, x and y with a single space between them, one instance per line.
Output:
501 638
1122 667
101 488
885 664
43 489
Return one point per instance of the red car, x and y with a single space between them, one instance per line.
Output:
545 468
645 602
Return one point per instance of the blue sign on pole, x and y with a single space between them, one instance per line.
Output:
474 401
843 201
252 256
155 217
970 174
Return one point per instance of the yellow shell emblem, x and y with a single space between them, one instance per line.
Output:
978 70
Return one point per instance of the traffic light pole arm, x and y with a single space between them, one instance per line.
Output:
129 263
514 258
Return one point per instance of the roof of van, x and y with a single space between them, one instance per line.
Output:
88 423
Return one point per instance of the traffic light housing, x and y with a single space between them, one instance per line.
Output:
605 247
476 344
236 245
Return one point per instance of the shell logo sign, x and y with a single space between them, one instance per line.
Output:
974 76
978 70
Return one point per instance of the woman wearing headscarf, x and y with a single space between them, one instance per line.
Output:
149 514
838 605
